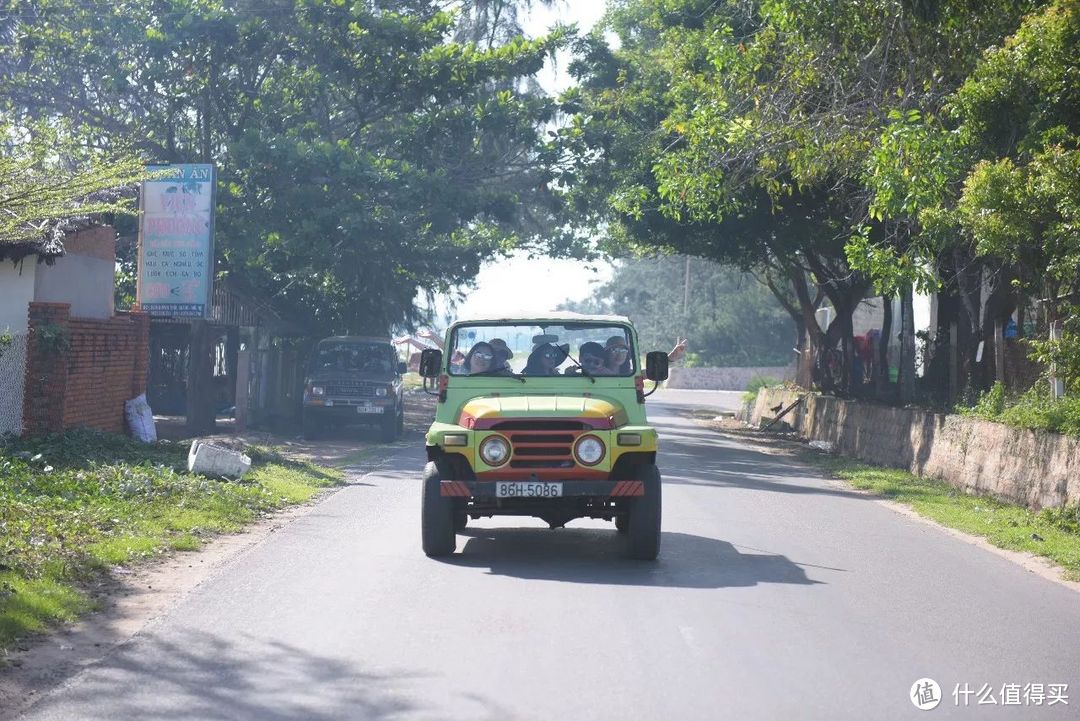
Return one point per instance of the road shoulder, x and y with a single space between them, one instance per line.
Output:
789 446
133 597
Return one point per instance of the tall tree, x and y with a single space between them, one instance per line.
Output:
363 154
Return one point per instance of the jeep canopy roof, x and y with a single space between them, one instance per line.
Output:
554 316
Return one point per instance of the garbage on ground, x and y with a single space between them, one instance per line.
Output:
216 461
140 419
825 446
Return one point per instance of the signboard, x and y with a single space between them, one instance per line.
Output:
176 241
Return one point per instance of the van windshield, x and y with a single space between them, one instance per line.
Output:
542 350
355 356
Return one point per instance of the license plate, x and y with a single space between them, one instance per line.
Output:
368 408
527 489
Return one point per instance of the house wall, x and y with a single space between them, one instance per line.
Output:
84 277
85 385
16 292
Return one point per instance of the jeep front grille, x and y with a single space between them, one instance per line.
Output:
541 446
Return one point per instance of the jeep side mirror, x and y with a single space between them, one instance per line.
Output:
402 367
430 362
656 366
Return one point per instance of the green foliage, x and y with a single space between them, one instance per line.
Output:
72 504
52 338
1063 355
1034 409
990 405
731 318
363 153
755 385
47 179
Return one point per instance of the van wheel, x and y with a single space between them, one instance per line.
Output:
436 516
643 537
388 428
313 429
621 523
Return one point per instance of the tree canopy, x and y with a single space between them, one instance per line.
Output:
834 147
363 153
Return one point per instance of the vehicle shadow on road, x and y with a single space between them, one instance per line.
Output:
196 675
590 555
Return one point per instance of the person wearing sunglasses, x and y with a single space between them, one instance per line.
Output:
617 356
480 359
545 359
591 357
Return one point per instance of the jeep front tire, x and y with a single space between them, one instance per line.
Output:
436 516
643 538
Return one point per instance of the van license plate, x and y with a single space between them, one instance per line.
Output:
369 408
527 489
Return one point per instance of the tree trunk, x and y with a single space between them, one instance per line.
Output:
907 346
881 371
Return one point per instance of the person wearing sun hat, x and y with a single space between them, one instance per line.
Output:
617 355
545 359
503 354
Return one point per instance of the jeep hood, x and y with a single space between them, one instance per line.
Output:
481 412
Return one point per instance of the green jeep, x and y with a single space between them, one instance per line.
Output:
541 417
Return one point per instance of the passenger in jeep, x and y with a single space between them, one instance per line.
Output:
480 359
591 357
546 359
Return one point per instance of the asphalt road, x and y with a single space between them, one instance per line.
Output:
778 595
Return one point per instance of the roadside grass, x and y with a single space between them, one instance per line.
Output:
72 506
1053 533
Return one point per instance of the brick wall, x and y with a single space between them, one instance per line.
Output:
87 384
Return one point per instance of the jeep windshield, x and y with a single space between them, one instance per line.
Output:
553 349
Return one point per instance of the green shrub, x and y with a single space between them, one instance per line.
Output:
990 404
1034 409
756 384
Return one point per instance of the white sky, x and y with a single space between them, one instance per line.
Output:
518 284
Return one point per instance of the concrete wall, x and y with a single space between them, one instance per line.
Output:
724 379
1033 468
16 292
84 277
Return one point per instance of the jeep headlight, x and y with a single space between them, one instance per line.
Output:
318 390
495 451
589 450
380 391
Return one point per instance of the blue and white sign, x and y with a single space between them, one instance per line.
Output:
176 241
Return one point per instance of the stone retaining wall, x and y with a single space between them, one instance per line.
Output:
1035 468
724 379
